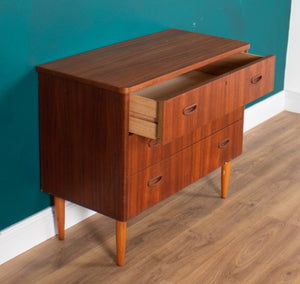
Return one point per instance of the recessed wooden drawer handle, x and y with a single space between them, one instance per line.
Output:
224 143
189 109
256 79
154 181
152 143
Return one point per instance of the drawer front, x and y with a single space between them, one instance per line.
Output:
191 110
161 180
144 152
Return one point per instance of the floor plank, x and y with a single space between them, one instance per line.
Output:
253 236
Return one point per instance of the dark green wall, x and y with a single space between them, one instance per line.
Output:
34 31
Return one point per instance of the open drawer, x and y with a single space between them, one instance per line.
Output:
175 107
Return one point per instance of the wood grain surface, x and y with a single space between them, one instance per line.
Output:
163 179
175 107
82 144
132 65
215 99
194 236
143 152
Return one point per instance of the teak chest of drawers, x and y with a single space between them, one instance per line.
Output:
125 126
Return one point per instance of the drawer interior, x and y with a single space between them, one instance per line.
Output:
229 64
184 82
144 110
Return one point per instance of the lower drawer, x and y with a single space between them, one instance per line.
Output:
144 152
163 179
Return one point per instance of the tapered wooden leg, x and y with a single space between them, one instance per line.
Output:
121 228
60 216
225 178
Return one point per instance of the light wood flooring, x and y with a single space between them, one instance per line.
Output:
253 236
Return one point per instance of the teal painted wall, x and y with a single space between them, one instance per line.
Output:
34 31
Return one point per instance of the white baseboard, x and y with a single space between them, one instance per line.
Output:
36 229
292 101
264 110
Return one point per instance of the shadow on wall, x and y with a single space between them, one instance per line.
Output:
19 151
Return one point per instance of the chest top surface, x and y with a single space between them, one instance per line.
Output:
137 63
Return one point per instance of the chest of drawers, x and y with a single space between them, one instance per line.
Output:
125 126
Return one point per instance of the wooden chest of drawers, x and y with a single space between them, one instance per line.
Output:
125 126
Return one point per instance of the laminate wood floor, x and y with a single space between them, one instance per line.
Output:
253 236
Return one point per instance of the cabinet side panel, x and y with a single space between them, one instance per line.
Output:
83 131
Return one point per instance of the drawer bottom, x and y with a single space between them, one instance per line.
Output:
163 179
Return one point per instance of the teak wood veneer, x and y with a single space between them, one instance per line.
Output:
125 126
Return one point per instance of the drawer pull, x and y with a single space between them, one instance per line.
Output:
256 79
224 143
152 143
154 181
189 109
